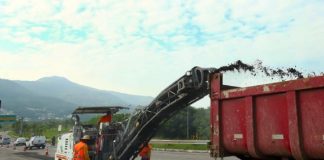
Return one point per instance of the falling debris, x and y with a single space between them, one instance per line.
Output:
236 66
258 67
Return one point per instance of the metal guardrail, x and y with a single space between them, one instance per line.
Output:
159 141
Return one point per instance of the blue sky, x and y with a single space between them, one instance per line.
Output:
140 47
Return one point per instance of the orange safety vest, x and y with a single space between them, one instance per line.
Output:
146 151
105 118
81 151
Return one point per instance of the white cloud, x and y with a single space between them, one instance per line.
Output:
141 48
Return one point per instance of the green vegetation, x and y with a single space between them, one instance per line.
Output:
47 128
176 127
5 127
181 146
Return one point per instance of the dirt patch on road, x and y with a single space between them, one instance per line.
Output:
33 155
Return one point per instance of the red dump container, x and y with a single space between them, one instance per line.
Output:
279 120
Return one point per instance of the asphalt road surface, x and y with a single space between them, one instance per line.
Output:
39 154
9 153
20 154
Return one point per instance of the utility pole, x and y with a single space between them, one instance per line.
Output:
187 122
21 126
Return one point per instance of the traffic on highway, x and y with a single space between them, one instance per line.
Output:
12 151
9 152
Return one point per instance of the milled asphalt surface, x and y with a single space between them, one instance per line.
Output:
9 153
20 154
39 154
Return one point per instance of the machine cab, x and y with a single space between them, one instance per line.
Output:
101 135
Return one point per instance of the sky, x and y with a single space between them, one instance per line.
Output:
140 47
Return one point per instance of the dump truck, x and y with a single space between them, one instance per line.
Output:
273 121
282 120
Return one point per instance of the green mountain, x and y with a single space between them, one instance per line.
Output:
57 97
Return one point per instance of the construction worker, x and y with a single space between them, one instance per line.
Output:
146 152
81 149
53 141
106 118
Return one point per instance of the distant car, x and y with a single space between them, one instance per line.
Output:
5 140
36 141
20 141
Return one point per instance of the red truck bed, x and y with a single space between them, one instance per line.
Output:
279 120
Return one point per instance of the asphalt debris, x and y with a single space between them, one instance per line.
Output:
258 67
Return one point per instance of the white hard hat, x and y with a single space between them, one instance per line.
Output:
86 137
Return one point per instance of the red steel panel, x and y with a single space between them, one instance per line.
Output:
234 126
272 125
312 116
274 120
294 123
300 84
215 88
250 127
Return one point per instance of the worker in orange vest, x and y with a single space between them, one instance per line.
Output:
146 152
81 149
106 118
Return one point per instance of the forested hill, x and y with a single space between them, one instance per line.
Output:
56 97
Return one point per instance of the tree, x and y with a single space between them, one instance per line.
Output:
120 117
115 118
201 123
176 127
